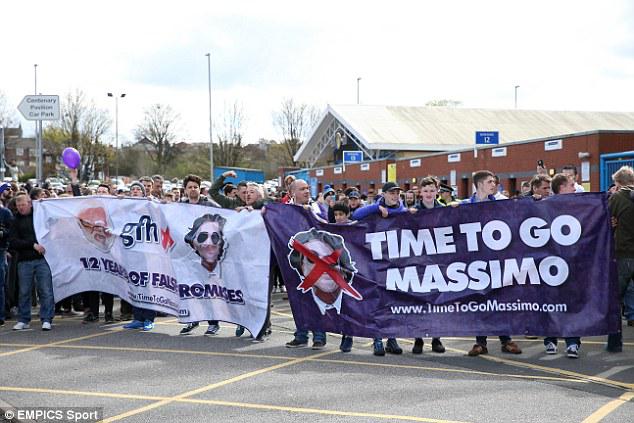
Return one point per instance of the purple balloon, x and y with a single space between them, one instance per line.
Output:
71 157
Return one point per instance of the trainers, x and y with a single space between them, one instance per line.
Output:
573 351
392 347
318 345
239 331
378 347
135 324
1 322
189 328
89 318
296 343
418 346
282 288
346 344
511 348
46 326
437 346
551 348
148 325
212 330
477 350
108 318
21 326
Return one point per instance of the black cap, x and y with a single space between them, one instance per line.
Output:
354 194
390 186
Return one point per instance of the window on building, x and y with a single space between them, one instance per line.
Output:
19 151
32 152
20 163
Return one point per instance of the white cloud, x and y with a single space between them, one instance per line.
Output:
564 55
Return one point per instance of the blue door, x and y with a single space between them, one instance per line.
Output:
610 163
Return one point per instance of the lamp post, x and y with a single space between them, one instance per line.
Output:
516 87
116 131
358 79
211 139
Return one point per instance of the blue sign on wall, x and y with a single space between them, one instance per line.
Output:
352 156
486 138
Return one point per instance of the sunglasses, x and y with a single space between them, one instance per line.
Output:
214 236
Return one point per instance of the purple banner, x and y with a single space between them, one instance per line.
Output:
495 268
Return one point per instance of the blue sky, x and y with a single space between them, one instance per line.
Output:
565 55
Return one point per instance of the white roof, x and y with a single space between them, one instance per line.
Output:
445 128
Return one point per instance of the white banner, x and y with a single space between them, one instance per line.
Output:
195 262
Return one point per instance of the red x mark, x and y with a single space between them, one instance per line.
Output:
166 239
323 265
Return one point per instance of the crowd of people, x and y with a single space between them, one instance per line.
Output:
25 272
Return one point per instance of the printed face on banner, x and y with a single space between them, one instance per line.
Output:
207 239
96 226
324 266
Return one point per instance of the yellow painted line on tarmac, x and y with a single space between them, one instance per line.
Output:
267 407
449 370
280 357
53 344
391 417
602 412
79 393
277 313
555 370
214 386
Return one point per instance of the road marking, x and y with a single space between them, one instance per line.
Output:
224 403
602 412
329 361
213 386
614 370
53 344
595 379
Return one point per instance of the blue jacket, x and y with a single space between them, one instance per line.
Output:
363 212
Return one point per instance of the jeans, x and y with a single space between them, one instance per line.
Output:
626 273
570 340
482 340
302 335
143 314
38 269
3 279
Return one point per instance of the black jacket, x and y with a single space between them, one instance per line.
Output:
23 238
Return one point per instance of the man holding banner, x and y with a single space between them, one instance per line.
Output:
486 188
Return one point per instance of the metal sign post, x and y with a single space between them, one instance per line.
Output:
39 108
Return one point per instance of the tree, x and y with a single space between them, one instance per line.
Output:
7 115
82 126
444 103
294 121
160 125
228 151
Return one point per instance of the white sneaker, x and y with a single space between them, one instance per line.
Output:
573 351
21 326
551 348
46 325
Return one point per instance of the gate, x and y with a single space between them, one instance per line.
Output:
610 163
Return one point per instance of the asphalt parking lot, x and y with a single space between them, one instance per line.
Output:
137 376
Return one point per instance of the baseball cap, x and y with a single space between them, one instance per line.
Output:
5 186
390 186
354 194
